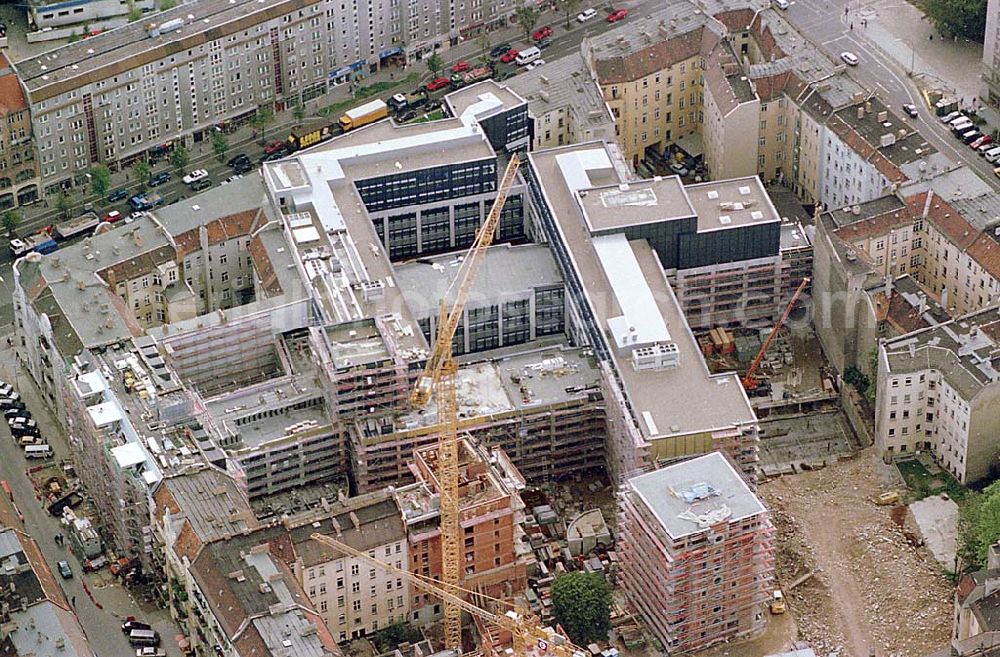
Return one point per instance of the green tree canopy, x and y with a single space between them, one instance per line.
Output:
142 171
261 119
527 18
569 8
219 145
979 526
180 158
299 112
581 603
964 18
100 179
435 64
73 37
10 221
63 204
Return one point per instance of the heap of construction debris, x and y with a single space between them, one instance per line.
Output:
871 587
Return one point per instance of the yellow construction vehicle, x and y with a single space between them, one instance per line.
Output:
438 381
777 602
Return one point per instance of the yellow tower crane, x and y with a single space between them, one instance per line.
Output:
438 380
531 638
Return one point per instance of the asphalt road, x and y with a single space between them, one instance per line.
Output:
825 23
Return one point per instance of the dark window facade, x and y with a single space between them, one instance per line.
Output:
435 230
428 185
516 322
483 332
402 235
550 311
505 128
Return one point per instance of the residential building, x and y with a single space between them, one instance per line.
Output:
83 18
37 619
977 600
989 94
18 164
354 598
564 102
938 388
697 553
496 556
215 63
247 601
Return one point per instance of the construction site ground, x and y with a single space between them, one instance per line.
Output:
793 443
872 589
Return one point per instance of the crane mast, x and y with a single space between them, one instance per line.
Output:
528 634
749 380
438 380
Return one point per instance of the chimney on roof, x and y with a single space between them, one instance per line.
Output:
861 113
336 527
922 303
927 203
355 521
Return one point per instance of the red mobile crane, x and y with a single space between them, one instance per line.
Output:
750 382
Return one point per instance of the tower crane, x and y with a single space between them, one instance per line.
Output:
527 632
438 380
749 380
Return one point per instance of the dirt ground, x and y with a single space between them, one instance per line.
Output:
872 590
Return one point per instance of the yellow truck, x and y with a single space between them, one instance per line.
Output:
777 602
363 115
888 498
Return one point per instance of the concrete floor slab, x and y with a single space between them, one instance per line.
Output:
791 444
937 518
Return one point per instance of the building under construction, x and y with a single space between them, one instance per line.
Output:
697 552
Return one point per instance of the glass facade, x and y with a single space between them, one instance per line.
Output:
429 185
550 310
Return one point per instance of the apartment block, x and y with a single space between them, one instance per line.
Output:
72 17
491 516
860 250
697 553
649 73
18 164
37 619
607 232
212 62
247 601
353 598
989 95
564 102
938 388
517 297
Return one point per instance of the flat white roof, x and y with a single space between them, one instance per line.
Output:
104 414
641 321
129 454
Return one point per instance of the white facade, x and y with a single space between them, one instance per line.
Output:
845 176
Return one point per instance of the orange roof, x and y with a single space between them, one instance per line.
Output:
644 62
986 252
945 218
11 95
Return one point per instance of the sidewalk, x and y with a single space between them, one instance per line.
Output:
900 30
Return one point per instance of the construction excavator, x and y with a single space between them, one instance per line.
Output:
750 382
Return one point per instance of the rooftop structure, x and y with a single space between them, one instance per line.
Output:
697 552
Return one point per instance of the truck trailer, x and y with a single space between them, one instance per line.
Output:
363 115
85 223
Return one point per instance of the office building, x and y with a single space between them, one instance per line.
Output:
697 553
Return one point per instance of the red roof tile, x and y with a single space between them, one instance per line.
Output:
945 218
647 61
11 94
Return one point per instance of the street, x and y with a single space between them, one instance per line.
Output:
102 626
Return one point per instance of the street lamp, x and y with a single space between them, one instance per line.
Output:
912 52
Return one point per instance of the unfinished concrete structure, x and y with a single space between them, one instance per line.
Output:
697 552
495 556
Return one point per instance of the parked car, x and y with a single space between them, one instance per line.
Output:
971 136
16 418
986 147
535 64
543 44
25 429
150 651
617 15
159 179
17 406
460 66
10 401
496 51
275 147
197 174
509 56
679 169
16 412
132 624
117 195
439 83
849 58
236 159
586 15
996 172
243 166
948 118
910 109
113 217
542 33
781 4
6 389
65 570
985 140
199 185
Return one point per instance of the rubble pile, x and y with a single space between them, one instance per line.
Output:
872 588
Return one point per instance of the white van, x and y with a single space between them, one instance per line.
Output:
42 451
528 55
960 123
993 155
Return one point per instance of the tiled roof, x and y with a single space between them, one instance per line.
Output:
945 218
736 20
649 60
879 224
11 94
219 230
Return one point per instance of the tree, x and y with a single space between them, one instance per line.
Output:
527 18
10 221
581 603
100 180
219 145
299 112
260 120
570 8
63 204
435 64
142 171
167 4
964 18
73 37
979 526
134 13
180 158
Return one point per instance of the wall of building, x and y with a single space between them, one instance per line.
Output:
731 138
60 14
